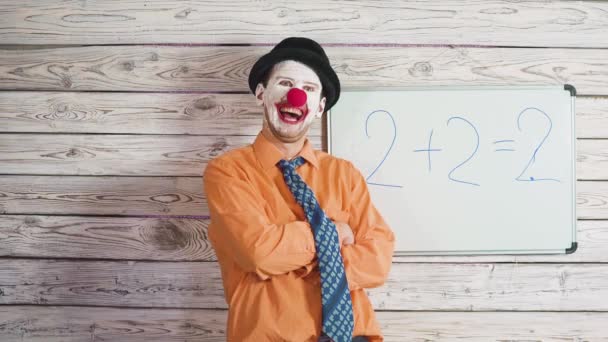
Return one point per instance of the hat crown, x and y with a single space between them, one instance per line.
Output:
302 43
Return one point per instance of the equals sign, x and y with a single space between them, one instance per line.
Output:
503 149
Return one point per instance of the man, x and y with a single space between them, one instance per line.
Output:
295 232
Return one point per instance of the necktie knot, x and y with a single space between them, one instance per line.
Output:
291 164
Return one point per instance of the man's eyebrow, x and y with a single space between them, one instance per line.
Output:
313 83
291 79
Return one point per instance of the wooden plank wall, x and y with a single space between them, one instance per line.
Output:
109 112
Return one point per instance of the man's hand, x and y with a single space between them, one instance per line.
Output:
345 233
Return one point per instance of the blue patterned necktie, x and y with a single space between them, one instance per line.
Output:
338 321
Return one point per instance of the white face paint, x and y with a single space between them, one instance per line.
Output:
286 122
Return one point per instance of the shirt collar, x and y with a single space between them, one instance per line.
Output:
269 155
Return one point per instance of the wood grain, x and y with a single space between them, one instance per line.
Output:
592 159
119 155
174 155
226 68
410 286
115 238
40 324
132 196
591 117
185 239
496 23
192 114
140 113
103 195
77 323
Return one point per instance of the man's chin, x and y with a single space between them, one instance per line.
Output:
288 136
287 133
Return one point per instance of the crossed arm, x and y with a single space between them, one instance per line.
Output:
269 249
242 227
367 243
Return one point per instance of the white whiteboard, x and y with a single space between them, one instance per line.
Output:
465 170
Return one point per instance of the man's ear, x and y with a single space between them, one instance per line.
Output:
259 94
321 107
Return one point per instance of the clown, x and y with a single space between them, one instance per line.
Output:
294 229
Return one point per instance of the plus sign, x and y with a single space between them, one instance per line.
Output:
429 150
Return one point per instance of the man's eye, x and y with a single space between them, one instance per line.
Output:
285 83
309 89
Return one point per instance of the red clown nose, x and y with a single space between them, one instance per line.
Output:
296 97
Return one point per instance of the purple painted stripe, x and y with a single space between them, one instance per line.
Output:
204 217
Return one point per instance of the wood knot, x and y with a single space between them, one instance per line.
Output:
31 221
167 236
205 103
73 152
218 147
183 14
166 199
130 65
282 13
66 82
421 69
206 107
62 108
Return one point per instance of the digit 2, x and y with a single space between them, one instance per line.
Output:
469 158
533 158
387 152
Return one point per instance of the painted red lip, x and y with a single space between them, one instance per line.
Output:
282 117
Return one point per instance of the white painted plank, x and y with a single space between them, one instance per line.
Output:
132 196
529 23
184 239
410 286
172 155
55 324
169 113
138 113
226 68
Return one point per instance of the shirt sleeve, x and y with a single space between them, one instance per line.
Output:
367 262
241 226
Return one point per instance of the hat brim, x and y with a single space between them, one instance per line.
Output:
327 75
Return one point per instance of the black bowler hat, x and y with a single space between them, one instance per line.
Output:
305 51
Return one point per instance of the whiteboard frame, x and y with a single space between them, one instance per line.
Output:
566 87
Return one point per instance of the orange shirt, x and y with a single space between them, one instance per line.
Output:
265 246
